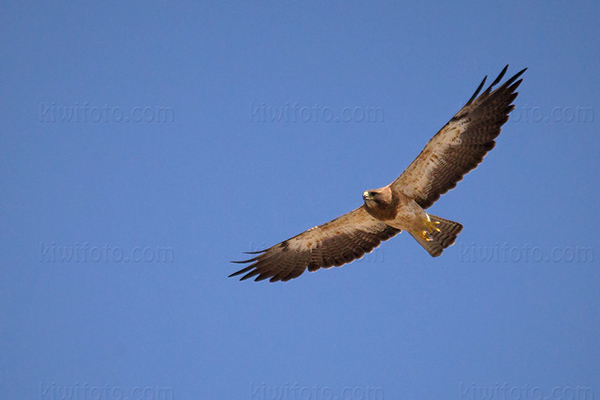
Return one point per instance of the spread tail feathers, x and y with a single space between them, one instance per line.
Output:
439 239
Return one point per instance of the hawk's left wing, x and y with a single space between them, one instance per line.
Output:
460 145
335 243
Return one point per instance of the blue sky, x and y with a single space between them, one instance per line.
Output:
134 166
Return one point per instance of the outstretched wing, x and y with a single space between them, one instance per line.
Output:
335 243
461 144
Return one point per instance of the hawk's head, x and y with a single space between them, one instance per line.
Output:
378 198
380 203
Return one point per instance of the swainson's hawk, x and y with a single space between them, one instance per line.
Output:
455 150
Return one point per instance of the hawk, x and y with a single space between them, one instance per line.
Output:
454 151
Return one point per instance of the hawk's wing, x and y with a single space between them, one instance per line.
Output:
335 243
460 145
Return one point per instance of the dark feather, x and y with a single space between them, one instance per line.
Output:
335 243
444 161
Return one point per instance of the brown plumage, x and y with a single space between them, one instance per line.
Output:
454 151
335 243
461 144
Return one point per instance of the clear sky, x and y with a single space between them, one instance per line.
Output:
145 144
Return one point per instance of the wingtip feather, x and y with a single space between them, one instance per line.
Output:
255 252
499 78
477 91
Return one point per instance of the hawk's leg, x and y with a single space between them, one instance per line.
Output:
431 227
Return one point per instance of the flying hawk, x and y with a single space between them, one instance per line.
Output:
455 150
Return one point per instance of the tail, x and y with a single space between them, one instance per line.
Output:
446 237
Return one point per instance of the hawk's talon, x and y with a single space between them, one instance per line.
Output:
425 236
432 225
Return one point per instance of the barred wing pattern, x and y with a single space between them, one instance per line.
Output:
334 243
461 144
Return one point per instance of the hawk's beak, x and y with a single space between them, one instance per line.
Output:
367 195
